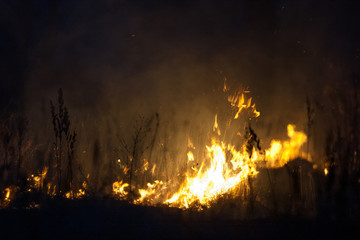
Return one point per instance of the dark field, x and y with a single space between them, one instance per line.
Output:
109 219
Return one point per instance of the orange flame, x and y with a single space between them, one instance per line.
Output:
239 102
119 188
282 152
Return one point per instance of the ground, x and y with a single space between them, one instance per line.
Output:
109 219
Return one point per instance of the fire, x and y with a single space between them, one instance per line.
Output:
220 168
153 169
7 195
37 181
221 177
146 165
280 153
126 169
216 126
151 193
119 188
224 170
239 102
75 194
225 88
190 156
51 189
80 193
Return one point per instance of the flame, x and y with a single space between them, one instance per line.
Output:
280 153
7 195
119 188
153 169
79 193
190 156
51 189
326 171
225 88
239 102
126 169
146 165
153 191
37 181
216 126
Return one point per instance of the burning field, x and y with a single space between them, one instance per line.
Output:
225 174
220 168
179 119
227 165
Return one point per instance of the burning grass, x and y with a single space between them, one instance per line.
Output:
221 169
224 169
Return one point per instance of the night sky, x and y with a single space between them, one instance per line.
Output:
117 59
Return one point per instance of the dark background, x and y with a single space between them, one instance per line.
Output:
115 51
